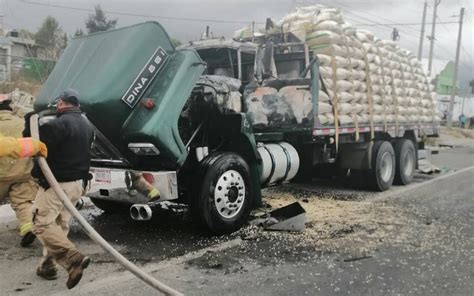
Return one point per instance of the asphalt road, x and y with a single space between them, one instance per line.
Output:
416 240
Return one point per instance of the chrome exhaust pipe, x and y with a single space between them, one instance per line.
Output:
140 212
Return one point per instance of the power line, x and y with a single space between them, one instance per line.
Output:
202 20
371 15
403 24
374 23
366 19
360 14
380 26
466 53
139 15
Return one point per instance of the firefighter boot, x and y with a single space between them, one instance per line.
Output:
47 269
75 272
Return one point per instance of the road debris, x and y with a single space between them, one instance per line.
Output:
288 218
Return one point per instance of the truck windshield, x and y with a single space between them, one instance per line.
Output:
224 62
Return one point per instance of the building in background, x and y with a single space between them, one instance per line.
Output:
442 74
24 47
20 55
436 67
5 58
444 80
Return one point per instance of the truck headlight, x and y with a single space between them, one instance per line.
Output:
143 149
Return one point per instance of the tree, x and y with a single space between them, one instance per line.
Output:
471 84
26 34
78 32
51 37
98 21
175 42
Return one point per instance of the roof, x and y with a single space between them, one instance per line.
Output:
24 41
221 43
5 41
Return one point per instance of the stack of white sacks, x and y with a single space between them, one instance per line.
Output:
370 74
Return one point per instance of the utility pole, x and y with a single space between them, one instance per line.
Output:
422 36
432 37
456 65
395 35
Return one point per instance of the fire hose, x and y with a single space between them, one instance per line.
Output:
148 279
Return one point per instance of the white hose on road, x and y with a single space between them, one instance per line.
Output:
88 229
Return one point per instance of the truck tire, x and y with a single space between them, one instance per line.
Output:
224 193
405 159
380 176
110 206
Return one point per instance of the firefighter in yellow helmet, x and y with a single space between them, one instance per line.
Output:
15 169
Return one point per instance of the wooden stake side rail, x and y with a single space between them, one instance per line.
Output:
426 129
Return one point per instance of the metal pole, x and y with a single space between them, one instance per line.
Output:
253 30
456 65
422 36
432 38
239 63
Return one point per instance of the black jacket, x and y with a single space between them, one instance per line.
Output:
68 138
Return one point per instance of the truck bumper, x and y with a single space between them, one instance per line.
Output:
110 184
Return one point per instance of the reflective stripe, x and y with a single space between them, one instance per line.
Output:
25 228
153 193
26 147
22 147
30 150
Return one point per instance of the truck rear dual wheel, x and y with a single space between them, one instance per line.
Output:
405 158
380 177
223 194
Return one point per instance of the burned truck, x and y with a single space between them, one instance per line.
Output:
209 135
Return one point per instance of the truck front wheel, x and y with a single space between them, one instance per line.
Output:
405 157
380 176
224 193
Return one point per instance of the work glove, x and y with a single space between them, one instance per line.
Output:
40 148
137 181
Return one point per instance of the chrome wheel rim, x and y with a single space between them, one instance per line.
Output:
409 161
229 194
387 167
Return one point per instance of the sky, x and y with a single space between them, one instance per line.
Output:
377 16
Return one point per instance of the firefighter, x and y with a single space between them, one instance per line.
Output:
69 139
15 173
